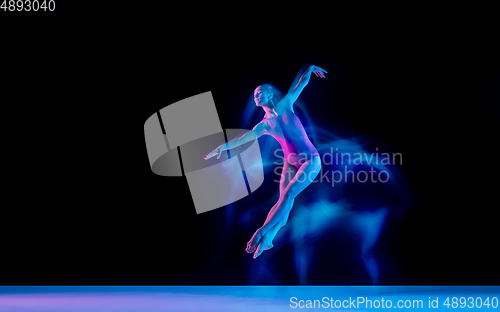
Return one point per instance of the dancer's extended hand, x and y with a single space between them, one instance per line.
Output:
318 71
217 151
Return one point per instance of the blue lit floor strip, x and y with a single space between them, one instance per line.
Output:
247 298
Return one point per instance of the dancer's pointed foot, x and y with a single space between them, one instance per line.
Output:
265 244
254 241
260 249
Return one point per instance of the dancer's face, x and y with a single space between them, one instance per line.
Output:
262 96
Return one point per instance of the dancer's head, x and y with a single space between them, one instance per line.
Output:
263 95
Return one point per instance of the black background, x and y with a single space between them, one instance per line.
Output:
81 205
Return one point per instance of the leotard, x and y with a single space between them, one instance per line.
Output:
287 129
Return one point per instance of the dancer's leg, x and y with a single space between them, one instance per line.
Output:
303 178
287 175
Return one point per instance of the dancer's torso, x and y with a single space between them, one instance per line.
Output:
291 135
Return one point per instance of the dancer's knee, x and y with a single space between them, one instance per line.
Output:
292 191
295 187
285 220
290 194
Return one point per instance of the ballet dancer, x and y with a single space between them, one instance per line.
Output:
282 124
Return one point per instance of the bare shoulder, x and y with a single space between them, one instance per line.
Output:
261 128
286 103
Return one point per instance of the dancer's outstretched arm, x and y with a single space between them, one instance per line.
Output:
299 83
257 131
